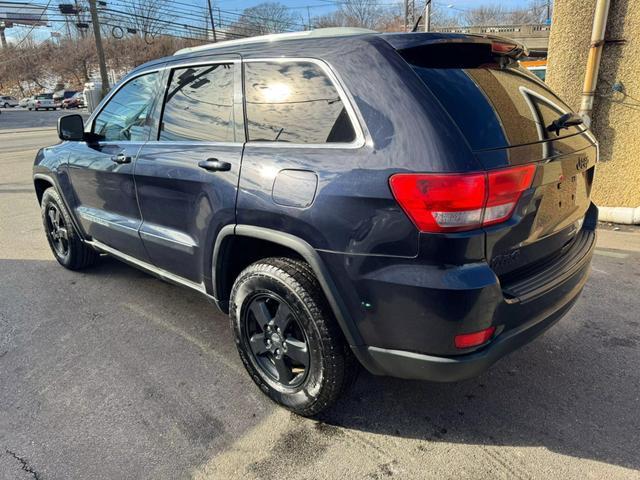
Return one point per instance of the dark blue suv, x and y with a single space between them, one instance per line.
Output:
417 203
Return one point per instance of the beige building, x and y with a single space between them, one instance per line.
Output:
616 112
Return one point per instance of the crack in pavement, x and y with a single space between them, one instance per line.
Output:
25 465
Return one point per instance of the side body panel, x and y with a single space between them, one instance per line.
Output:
184 206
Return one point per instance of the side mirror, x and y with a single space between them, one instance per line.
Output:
71 127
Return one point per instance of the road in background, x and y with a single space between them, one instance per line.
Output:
13 118
110 373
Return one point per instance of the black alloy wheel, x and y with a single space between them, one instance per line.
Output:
67 246
278 343
57 230
287 337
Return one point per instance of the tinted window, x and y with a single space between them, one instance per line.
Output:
125 116
199 105
294 102
495 107
44 96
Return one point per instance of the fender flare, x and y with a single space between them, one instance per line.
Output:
54 183
309 254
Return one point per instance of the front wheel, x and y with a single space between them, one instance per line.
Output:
67 246
287 337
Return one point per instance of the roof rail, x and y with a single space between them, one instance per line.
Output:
274 37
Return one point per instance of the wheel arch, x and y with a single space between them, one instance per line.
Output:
267 242
41 183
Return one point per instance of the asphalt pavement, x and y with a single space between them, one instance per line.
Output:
13 118
112 374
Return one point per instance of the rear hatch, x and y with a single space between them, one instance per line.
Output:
45 100
504 113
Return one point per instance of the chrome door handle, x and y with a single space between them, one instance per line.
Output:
121 158
214 165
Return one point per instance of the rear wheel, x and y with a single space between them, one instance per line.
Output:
67 246
287 338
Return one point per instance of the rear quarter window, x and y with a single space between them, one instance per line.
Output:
294 102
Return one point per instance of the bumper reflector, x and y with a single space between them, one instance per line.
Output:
467 340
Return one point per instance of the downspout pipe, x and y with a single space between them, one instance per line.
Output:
593 61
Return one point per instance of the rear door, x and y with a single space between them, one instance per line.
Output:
505 112
187 175
101 171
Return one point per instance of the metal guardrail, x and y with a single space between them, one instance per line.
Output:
531 30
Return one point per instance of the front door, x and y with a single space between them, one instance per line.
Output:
101 170
187 177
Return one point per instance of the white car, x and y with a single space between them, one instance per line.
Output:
44 101
6 101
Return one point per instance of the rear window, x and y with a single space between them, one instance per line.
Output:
44 96
495 107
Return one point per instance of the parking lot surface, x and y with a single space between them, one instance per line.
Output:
110 373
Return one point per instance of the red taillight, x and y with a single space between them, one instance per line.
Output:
456 202
468 340
502 47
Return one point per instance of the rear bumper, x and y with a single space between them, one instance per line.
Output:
417 366
518 323
408 313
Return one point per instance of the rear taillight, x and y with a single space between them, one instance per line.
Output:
468 340
456 202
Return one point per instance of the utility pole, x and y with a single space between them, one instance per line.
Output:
96 32
213 27
427 16
548 12
309 17
406 14
3 39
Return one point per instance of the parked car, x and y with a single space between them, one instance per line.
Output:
44 101
7 101
75 101
61 95
415 202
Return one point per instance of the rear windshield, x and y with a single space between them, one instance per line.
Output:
44 96
496 107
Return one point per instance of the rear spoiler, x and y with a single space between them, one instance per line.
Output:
500 46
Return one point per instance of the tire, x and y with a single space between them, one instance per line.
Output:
67 246
308 331
6 105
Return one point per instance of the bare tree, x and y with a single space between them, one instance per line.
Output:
265 18
146 16
485 15
495 14
360 13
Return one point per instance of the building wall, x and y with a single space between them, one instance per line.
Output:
616 116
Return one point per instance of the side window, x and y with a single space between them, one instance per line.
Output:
199 105
294 102
125 116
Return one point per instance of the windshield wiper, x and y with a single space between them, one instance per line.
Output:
565 121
